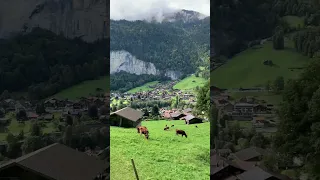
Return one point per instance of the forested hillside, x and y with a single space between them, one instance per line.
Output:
169 45
44 63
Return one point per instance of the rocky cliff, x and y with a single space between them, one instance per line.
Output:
72 18
125 61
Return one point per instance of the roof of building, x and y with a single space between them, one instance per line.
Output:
58 161
257 173
250 153
129 113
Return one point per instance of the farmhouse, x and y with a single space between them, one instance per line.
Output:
54 162
250 154
177 115
190 119
126 117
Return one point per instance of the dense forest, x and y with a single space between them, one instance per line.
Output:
123 81
169 45
44 63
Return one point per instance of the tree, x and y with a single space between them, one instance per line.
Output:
21 135
104 110
35 129
93 111
203 99
21 115
5 95
243 143
67 136
40 108
155 110
32 143
69 120
278 40
278 84
146 112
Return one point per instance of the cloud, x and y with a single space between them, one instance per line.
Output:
145 9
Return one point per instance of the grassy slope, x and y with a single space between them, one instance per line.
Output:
164 156
145 87
190 82
294 21
247 70
271 98
85 88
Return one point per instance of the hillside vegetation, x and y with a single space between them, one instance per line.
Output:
170 46
44 63
85 89
164 156
246 69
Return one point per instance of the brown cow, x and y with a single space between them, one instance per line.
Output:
143 130
182 132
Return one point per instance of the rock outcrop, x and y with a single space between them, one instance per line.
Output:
73 18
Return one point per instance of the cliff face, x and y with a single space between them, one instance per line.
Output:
72 18
124 61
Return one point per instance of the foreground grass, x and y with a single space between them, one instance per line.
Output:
190 83
85 89
247 69
164 156
145 87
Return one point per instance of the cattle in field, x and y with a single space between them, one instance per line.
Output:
182 132
143 130
172 125
166 128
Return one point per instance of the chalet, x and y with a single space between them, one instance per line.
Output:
222 168
251 154
126 117
176 115
190 119
228 107
54 162
259 108
32 115
50 103
258 173
258 121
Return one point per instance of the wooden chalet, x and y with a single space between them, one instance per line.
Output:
126 117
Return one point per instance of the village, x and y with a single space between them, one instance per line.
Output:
242 157
17 119
161 92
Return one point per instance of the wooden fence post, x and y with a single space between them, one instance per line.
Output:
135 170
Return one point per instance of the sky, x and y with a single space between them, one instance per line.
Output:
143 9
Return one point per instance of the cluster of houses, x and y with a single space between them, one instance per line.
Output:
129 117
52 106
161 91
251 109
185 115
242 165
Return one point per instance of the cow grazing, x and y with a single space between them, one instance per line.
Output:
143 130
172 125
196 126
166 128
182 132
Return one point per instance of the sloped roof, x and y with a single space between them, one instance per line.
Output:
257 173
58 161
129 113
250 153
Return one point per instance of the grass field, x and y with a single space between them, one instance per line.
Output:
190 83
294 21
247 70
145 87
85 88
164 156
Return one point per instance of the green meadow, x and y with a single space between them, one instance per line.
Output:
165 156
